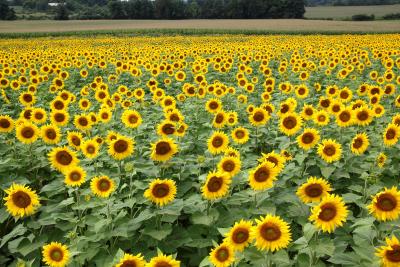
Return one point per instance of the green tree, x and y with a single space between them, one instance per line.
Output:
116 9
6 13
61 12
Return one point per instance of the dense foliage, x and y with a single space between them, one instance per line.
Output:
351 2
200 151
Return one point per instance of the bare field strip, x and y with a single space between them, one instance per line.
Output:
278 25
340 12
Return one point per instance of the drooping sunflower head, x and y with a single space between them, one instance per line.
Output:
359 144
263 176
216 185
163 261
75 176
131 118
218 142
386 205
21 200
27 132
222 256
271 233
330 150
51 134
308 139
313 190
240 135
329 214
6 124
102 186
390 254
239 236
55 254
230 165
161 192
129 260
164 149
62 158
290 124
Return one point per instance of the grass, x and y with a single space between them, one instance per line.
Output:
345 12
12 29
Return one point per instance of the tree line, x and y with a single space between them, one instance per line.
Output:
351 2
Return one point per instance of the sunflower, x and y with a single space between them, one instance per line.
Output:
359 144
105 114
386 205
59 118
62 158
271 233
162 260
263 176
363 116
55 254
230 165
74 139
321 118
240 135
345 117
129 260
222 256
216 185
239 236
232 152
381 160
21 200
330 150
259 117
213 105
161 192
39 115
330 213
277 160
313 190
27 99
131 118
391 134
390 254
82 122
50 134
90 148
308 112
27 132
6 124
220 119
218 142
290 124
166 128
75 176
121 148
102 186
164 149
308 139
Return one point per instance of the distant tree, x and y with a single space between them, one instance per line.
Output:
6 13
192 10
116 9
61 12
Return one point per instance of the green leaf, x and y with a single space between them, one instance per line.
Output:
327 171
325 247
3 215
309 230
204 219
20 229
158 234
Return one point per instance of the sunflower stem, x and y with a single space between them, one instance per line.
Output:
256 139
268 259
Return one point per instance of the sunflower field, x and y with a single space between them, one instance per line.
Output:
218 150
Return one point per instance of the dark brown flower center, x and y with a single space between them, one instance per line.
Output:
222 254
284 108
344 116
329 150
51 134
262 174
121 146
21 199
362 115
314 190
163 264
386 202
27 132
228 165
128 263
358 142
58 105
168 128
289 122
307 138
64 158
239 134
309 111
390 134
328 212
104 185
214 184
59 117
219 118
160 190
4 123
270 232
240 235
83 121
75 176
56 254
76 140
132 118
258 116
163 148
217 141
39 116
393 255
27 98
91 149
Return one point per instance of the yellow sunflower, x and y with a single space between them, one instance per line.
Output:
39 115
102 186
131 118
74 139
240 135
222 256
230 165
161 192
55 254
259 117
59 118
381 160
216 185
162 260
391 134
276 159
27 132
51 134
308 139
220 119
330 150
363 116
90 148
62 158
386 205
390 254
345 117
263 176
6 124
290 124
218 142
321 118
330 213
271 233
359 144
82 122
166 128
313 190
213 105
21 200
121 148
239 236
129 260
75 176
164 149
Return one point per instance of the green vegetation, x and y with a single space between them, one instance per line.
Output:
346 12
351 2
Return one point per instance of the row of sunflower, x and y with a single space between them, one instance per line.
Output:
177 141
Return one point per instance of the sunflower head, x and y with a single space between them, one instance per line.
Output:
259 117
386 205
290 124
240 135
389 254
218 142
102 186
163 261
121 147
391 135
313 190
75 176
308 139
21 200
164 149
263 176
222 256
161 192
330 150
129 260
27 132
131 118
216 185
359 144
239 236
6 124
230 165
55 254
